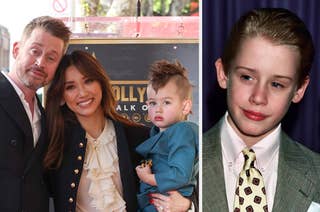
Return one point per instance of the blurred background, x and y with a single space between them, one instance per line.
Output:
126 36
15 14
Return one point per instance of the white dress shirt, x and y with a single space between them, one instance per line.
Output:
35 120
267 155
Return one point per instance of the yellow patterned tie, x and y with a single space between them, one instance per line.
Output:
250 193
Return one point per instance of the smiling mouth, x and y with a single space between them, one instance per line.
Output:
85 103
254 115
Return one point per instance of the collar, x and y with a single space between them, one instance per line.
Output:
154 130
16 88
265 149
37 112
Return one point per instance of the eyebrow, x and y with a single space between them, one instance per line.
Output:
41 45
246 68
38 44
72 81
163 98
68 82
254 71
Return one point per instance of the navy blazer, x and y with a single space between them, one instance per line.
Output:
21 173
64 181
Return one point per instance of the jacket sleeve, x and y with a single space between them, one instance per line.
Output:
182 157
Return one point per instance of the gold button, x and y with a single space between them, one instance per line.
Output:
76 171
81 145
73 185
71 200
79 157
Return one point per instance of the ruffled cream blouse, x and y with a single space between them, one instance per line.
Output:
100 188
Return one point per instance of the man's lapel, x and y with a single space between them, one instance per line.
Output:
295 184
214 192
11 103
42 143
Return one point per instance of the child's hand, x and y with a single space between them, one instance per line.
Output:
145 174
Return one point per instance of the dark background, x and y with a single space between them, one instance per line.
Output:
131 59
218 16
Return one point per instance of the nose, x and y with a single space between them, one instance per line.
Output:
82 90
259 95
40 61
159 108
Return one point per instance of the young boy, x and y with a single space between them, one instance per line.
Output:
173 145
264 67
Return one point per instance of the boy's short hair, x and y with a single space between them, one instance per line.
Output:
278 25
54 26
161 72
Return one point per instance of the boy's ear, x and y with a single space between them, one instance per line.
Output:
187 106
300 92
221 77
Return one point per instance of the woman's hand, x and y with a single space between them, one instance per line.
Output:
175 202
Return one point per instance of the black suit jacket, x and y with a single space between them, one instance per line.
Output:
21 173
128 137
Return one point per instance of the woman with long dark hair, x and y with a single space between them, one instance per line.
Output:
91 158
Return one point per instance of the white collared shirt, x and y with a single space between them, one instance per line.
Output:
267 154
35 121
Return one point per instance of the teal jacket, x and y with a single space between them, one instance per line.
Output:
174 154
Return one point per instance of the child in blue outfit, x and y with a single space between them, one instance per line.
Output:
173 143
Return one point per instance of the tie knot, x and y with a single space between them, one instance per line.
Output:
249 158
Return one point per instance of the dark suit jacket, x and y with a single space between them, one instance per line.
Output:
298 181
128 137
21 177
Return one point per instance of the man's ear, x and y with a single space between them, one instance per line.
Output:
221 76
15 49
300 92
187 107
